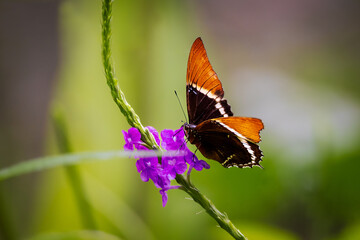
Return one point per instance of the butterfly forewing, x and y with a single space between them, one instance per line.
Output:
204 92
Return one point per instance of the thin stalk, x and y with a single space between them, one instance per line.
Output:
48 162
116 93
134 121
73 173
221 218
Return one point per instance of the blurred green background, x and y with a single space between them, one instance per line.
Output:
294 64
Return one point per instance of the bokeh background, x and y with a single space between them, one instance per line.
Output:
294 64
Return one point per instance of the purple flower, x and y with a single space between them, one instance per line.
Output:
161 181
132 138
171 165
148 168
173 140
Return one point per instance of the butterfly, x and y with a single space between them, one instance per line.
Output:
232 141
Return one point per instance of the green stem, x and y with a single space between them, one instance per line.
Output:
134 121
72 172
118 96
48 162
222 219
44 163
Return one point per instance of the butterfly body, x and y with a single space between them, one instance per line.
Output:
212 128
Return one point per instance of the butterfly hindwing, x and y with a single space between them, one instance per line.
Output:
227 146
248 128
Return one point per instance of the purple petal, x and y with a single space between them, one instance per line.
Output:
171 173
205 164
180 168
166 133
155 133
191 158
128 144
166 136
172 140
128 147
151 162
134 134
173 165
144 176
125 134
164 197
140 165
180 134
132 137
168 162
161 180
199 165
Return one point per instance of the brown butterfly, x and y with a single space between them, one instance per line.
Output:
212 128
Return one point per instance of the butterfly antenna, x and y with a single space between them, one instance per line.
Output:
180 105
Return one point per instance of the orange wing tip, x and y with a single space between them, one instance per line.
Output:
197 40
200 73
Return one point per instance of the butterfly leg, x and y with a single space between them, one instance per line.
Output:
191 167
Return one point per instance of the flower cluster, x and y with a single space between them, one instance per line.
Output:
162 170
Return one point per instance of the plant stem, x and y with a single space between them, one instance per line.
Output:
118 96
209 207
134 121
48 162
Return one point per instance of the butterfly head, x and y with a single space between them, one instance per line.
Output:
190 132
